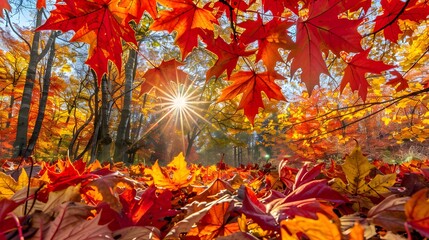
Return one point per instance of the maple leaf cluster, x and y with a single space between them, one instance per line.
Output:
302 34
355 200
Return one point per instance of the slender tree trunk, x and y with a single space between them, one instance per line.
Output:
11 103
191 139
121 137
97 122
42 102
104 139
24 111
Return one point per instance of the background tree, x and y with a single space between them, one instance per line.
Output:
314 54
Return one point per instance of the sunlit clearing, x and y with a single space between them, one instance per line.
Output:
180 106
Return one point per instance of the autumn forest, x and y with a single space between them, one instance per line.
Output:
226 119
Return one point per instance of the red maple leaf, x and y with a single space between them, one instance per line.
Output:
257 211
228 55
230 7
354 5
251 85
137 7
395 10
322 31
189 41
4 4
277 7
184 17
150 209
162 75
308 57
270 36
399 82
41 4
344 5
307 199
356 69
103 24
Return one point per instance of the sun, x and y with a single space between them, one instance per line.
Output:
180 103
180 106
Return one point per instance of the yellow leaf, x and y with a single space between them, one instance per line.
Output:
8 185
252 228
176 176
356 168
378 185
321 229
180 169
386 120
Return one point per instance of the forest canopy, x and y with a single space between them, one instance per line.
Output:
144 80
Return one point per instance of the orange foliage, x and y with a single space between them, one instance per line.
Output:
104 201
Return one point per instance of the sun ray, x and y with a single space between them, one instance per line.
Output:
181 107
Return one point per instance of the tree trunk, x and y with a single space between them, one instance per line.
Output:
121 143
11 103
92 144
42 102
104 139
191 139
24 111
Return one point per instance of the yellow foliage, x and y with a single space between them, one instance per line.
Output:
8 185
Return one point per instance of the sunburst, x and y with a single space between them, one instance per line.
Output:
181 106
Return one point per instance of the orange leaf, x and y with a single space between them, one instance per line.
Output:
183 18
357 232
356 69
271 36
417 212
227 56
216 222
103 24
214 188
321 229
161 76
41 4
4 4
251 85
